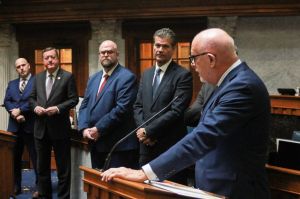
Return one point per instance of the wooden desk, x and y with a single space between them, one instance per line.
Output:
7 142
285 105
121 189
283 179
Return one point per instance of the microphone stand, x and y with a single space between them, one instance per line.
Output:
108 158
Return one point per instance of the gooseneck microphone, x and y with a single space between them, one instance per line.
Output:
107 160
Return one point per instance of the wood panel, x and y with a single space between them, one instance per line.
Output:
284 180
122 189
285 105
15 11
7 142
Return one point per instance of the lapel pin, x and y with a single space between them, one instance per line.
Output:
58 77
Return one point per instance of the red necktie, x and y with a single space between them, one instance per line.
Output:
103 84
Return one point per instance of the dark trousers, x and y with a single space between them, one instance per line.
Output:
23 139
119 158
62 153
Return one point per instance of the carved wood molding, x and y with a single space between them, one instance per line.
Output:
63 10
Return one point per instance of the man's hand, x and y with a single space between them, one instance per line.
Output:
94 133
52 110
141 135
15 112
124 173
39 110
20 118
91 133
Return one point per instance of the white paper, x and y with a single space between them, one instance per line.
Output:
182 190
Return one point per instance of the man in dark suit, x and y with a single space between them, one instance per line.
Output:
174 81
229 145
105 114
193 113
21 118
54 94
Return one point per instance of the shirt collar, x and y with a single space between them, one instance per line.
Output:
26 78
54 73
110 71
163 67
233 66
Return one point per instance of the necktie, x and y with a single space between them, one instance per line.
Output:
22 85
103 84
156 81
49 85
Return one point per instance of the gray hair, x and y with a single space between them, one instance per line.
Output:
166 33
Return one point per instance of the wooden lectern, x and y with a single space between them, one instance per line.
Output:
120 189
7 142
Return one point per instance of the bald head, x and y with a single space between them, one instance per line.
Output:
22 67
220 49
108 54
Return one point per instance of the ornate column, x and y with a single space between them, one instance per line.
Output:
8 52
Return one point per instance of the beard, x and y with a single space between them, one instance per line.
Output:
108 64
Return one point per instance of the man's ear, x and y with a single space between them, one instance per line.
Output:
212 59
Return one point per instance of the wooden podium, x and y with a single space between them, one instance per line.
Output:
7 142
121 189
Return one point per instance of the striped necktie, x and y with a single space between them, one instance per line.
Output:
22 85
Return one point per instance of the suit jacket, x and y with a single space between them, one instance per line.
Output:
229 145
193 113
168 127
63 95
111 112
14 99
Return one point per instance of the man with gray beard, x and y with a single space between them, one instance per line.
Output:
105 115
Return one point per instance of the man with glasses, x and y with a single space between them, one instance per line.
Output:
105 114
229 145
159 85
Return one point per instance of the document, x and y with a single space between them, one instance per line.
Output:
183 190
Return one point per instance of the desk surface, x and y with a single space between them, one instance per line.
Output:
283 179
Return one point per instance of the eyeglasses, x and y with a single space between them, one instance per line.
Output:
193 57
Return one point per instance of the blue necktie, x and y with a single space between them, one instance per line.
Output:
156 81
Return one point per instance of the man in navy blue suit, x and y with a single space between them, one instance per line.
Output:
229 145
105 114
21 118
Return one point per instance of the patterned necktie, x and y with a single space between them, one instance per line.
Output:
22 85
103 84
156 81
49 85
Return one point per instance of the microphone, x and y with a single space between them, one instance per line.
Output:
108 158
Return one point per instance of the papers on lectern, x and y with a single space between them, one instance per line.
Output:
183 190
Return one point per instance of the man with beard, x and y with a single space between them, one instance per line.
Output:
105 115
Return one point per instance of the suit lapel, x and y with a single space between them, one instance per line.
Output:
166 78
56 84
28 87
107 85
